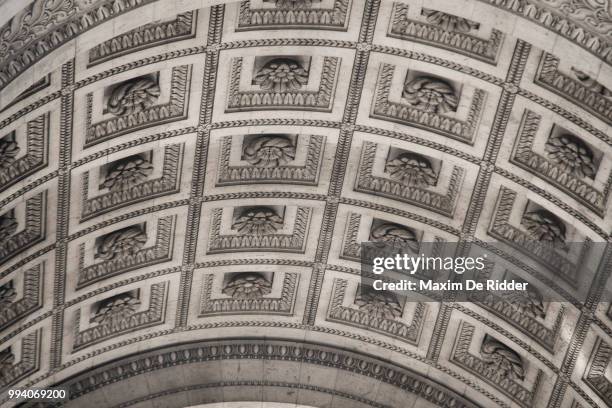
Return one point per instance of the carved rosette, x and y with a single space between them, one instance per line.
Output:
497 364
258 221
122 243
8 226
545 226
447 31
269 151
118 316
281 83
421 195
271 159
13 309
294 14
567 163
449 21
395 235
249 293
127 173
14 165
281 75
248 285
124 250
257 230
133 106
542 237
412 169
133 96
117 309
571 154
502 359
377 311
379 304
9 149
430 95
32 231
129 181
428 103
7 294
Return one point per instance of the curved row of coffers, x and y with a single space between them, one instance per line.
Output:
405 170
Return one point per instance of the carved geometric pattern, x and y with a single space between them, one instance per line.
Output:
28 364
320 100
33 232
105 330
36 32
509 312
29 302
408 332
423 197
572 89
306 174
464 131
174 109
262 305
577 187
294 242
404 28
181 27
595 372
501 229
334 18
161 251
167 183
36 139
511 387
280 351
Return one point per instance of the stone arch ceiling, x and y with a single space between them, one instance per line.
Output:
179 223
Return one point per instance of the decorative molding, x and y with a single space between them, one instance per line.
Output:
382 108
299 16
547 255
261 305
405 28
243 349
307 174
294 242
44 25
160 252
577 187
320 100
549 77
528 323
36 157
175 109
124 324
416 195
584 22
408 332
490 373
30 301
29 363
595 373
36 87
181 27
33 232
167 183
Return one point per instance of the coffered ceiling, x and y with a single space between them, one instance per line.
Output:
184 187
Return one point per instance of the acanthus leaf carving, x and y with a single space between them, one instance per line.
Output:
294 14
